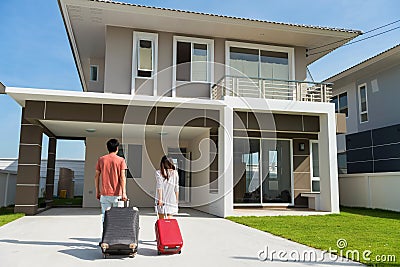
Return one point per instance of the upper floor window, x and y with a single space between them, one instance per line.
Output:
94 73
144 54
340 102
193 59
363 102
260 61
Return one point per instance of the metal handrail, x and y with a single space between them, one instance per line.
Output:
268 88
267 79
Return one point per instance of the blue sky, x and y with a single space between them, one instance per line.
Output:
35 52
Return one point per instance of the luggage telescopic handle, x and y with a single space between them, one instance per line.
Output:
163 209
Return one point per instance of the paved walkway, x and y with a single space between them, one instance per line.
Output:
69 237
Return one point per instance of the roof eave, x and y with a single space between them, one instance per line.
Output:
72 44
363 64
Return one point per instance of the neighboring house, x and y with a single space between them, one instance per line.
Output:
369 154
8 178
236 114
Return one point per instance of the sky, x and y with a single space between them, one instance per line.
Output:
35 52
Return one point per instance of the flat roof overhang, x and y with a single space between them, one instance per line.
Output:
73 115
86 21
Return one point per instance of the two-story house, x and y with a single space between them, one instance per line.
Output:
226 97
369 153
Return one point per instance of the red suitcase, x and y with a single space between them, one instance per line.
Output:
168 235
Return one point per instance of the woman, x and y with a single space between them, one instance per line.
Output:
167 189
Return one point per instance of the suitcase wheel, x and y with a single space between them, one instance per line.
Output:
180 251
132 255
158 252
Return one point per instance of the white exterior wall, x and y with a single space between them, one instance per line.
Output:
376 191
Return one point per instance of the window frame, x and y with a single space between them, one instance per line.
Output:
97 72
312 178
210 59
272 48
145 36
337 110
366 102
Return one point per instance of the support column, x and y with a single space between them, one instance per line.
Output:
329 184
51 168
29 159
226 153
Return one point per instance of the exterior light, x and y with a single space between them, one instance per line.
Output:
90 130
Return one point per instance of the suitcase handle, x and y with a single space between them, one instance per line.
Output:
163 209
126 202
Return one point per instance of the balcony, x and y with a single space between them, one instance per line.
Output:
271 89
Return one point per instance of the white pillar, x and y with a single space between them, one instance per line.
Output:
226 154
329 184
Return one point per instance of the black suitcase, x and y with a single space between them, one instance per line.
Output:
120 232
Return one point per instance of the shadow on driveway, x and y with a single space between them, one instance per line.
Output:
87 249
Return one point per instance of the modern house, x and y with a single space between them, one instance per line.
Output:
226 97
369 153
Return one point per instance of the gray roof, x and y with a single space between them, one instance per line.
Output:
231 17
366 61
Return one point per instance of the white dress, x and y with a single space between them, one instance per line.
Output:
168 189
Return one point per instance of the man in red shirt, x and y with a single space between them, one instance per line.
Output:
110 177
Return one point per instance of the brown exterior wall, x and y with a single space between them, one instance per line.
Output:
28 177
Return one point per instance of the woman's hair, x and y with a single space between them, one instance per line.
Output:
165 165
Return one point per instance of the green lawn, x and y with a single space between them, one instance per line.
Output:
76 201
363 229
7 215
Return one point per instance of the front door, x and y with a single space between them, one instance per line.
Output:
181 159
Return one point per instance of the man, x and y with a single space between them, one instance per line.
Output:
111 168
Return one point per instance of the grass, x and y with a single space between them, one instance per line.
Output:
363 229
7 215
64 202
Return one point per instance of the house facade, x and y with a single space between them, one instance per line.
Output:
225 97
369 153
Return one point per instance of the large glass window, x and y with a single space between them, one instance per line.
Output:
257 63
262 171
193 59
363 103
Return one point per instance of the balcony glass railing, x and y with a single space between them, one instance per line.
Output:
271 89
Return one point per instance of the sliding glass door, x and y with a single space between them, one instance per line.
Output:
276 171
246 170
262 171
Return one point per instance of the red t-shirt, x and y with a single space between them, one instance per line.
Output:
111 167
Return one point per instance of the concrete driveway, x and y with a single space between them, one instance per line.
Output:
69 237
